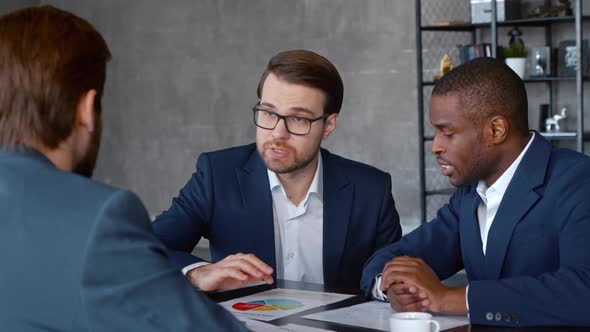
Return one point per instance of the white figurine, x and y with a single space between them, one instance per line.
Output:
554 121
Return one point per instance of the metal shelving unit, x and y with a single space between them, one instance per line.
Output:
472 29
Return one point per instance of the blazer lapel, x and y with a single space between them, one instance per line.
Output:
338 200
257 199
518 199
471 244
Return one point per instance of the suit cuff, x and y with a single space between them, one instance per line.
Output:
376 291
193 266
467 300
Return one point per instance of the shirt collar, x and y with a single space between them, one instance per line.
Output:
503 181
317 184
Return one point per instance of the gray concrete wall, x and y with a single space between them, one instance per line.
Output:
9 5
184 74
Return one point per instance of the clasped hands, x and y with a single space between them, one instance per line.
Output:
232 272
411 285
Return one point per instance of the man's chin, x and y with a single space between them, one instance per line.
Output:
460 182
280 168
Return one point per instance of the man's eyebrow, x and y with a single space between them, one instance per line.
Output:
267 104
295 109
442 124
303 109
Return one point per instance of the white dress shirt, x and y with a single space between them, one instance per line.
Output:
299 230
486 210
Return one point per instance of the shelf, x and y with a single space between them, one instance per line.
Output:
547 135
565 136
540 21
537 21
560 136
454 27
550 79
531 79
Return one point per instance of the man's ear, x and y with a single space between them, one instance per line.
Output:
85 116
498 126
330 125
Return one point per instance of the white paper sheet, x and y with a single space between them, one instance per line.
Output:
301 328
256 326
277 303
375 315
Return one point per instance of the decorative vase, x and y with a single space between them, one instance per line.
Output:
518 65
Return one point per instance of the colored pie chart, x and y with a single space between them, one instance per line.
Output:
267 305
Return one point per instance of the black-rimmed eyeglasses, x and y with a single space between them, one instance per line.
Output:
295 125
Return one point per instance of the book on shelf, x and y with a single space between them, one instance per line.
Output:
472 51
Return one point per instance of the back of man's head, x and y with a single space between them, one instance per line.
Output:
48 59
487 87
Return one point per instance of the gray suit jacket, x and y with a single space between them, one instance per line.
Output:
77 255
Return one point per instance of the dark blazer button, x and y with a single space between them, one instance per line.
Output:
489 316
515 319
498 316
506 318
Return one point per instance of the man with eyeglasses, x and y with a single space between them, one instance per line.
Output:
283 207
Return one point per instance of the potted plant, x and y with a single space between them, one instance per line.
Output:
515 54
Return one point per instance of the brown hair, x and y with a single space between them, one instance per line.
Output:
48 59
309 69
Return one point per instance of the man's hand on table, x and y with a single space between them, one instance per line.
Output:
412 285
232 272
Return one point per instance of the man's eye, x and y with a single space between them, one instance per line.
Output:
268 114
447 134
298 119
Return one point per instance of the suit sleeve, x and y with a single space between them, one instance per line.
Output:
187 220
560 297
388 229
436 242
128 282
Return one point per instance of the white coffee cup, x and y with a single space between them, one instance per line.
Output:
413 322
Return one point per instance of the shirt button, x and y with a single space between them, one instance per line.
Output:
290 255
489 316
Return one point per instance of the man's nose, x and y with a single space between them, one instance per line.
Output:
436 148
280 130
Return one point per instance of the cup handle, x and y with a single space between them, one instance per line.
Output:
435 324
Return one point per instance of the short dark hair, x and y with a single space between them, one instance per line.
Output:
309 69
487 87
48 59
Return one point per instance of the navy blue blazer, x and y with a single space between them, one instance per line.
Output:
536 270
77 255
228 201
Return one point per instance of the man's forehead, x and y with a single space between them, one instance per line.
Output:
282 95
446 110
